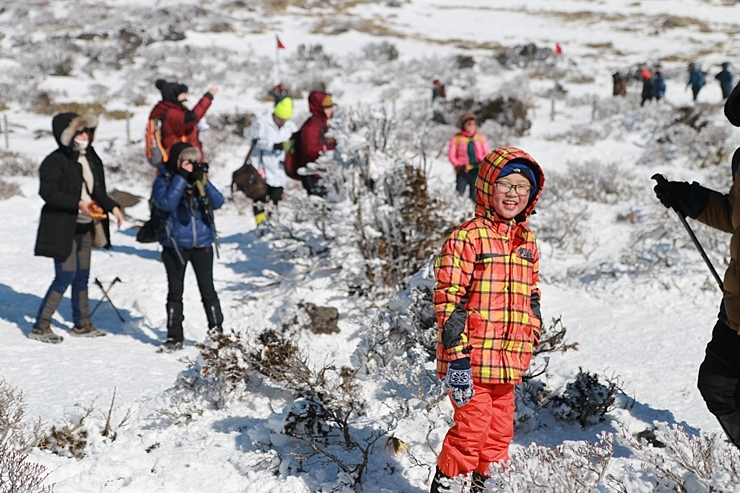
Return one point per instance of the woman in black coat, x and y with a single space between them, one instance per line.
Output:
73 188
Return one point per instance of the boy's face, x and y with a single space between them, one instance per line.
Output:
510 204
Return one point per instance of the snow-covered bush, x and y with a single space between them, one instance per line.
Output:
8 189
17 164
16 432
585 400
383 51
685 462
572 467
18 475
594 181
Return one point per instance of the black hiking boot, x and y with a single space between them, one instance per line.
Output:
170 346
440 483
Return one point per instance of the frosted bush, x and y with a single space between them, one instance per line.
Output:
585 400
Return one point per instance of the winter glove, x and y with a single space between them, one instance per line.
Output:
277 147
687 200
670 193
459 381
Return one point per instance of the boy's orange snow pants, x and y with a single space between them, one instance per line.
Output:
483 430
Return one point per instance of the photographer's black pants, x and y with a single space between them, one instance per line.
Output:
719 379
202 261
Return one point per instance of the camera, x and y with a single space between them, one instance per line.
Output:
200 167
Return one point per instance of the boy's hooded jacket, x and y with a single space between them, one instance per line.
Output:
60 186
486 296
188 224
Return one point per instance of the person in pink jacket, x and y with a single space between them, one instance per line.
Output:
467 149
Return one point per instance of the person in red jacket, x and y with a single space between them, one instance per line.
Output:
313 137
179 124
467 149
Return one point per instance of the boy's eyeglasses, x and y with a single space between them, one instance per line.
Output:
504 187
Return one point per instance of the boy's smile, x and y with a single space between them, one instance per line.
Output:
510 204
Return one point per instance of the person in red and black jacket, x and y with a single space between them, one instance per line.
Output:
313 137
179 124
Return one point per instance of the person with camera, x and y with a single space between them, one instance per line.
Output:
73 188
271 133
187 199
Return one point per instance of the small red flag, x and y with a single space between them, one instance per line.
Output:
280 45
558 49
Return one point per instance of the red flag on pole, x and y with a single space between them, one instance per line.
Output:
558 49
280 45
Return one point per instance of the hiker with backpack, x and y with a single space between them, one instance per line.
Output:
696 79
467 149
172 122
719 373
186 199
487 302
313 140
272 132
72 184
725 80
648 86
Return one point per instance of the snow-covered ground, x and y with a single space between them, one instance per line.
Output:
648 329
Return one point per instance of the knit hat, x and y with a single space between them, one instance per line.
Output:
465 118
170 90
284 109
523 168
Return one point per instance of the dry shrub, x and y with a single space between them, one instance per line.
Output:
593 181
585 400
16 432
8 189
69 439
17 164
18 475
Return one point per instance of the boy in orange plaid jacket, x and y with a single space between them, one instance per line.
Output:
488 309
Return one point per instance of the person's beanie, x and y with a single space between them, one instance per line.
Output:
465 118
170 90
523 168
284 109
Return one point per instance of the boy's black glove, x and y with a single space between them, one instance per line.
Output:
673 194
459 381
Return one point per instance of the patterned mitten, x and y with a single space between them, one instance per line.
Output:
459 381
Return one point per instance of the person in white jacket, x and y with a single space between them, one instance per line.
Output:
271 132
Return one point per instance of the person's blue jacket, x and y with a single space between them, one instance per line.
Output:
725 80
659 87
187 223
696 78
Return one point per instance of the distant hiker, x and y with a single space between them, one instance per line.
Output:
179 124
72 184
647 86
725 80
619 87
313 140
488 311
659 86
279 92
438 90
187 199
719 374
696 79
272 131
467 149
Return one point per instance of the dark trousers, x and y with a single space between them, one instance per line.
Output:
467 180
74 271
311 184
695 91
274 195
202 261
719 379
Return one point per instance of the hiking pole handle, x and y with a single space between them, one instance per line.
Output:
675 206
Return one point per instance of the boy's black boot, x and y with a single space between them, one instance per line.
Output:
437 485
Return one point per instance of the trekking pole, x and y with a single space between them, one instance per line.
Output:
106 297
676 205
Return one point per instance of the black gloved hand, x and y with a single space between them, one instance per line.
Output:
278 146
673 194
184 173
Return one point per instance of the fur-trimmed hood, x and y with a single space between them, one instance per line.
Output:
64 126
